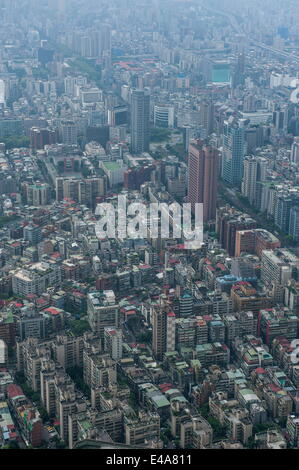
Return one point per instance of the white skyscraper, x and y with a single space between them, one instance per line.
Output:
2 92
294 151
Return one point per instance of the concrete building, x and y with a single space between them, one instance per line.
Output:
140 429
279 266
36 279
113 342
140 132
3 353
103 311
202 178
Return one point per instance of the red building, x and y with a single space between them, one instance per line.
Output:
203 164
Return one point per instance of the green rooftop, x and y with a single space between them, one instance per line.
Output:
111 166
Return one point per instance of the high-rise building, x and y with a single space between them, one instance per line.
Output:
37 194
254 174
187 134
41 137
282 212
228 222
103 311
255 241
249 179
295 151
163 116
279 266
207 117
281 118
202 178
159 332
238 71
84 191
140 132
113 342
2 92
105 40
277 322
233 151
69 132
294 223
3 353
32 234
163 323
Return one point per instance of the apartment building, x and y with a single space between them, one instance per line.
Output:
103 311
36 279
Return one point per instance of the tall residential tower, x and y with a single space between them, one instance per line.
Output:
202 177
140 114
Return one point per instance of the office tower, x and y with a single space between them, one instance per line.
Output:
163 116
237 77
281 118
140 101
105 40
233 151
117 115
187 134
207 117
283 211
202 178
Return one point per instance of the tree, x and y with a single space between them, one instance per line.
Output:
204 410
263 427
4 219
251 443
220 431
12 445
159 134
145 337
59 443
16 141
76 373
85 172
78 327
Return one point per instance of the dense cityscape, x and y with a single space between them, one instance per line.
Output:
119 342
